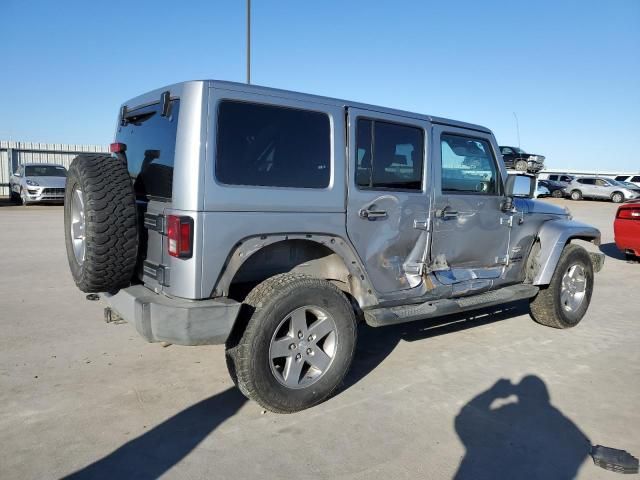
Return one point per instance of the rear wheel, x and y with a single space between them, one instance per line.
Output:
521 165
576 195
298 343
563 303
617 197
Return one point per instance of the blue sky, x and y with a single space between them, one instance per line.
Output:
569 69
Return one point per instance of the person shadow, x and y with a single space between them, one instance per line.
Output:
513 431
153 453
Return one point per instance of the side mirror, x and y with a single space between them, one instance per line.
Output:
522 186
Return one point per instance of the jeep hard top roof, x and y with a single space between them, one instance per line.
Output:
177 88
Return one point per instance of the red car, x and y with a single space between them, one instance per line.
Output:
626 227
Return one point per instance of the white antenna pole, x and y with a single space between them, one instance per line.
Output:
517 128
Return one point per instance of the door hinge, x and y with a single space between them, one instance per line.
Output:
421 224
507 221
155 222
160 273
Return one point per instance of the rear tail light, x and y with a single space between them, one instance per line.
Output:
180 236
629 213
117 147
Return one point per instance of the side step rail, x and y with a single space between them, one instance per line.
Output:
379 317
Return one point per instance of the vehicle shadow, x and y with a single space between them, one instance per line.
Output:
611 250
153 453
513 431
376 344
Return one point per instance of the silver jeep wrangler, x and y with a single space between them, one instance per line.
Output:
272 221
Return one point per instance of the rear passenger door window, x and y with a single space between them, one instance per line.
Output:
272 146
468 166
389 156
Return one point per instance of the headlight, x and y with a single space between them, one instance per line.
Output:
32 183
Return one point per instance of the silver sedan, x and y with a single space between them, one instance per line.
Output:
38 182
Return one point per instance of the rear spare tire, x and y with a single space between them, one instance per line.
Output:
521 165
100 224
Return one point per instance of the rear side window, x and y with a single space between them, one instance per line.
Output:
587 181
270 146
150 141
389 156
622 178
635 179
468 166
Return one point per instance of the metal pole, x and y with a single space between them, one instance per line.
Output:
248 42
517 128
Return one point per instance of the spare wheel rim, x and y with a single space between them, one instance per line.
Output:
77 226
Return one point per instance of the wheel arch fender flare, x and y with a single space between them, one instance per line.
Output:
553 236
358 282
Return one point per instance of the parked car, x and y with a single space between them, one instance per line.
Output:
556 189
557 177
517 159
542 191
631 186
271 221
626 228
635 179
602 188
38 182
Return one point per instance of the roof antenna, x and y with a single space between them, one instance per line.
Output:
248 42
517 128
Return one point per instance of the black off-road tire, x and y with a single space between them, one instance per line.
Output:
617 197
575 195
266 306
546 307
14 197
111 231
557 194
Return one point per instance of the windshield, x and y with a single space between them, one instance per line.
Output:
616 183
45 171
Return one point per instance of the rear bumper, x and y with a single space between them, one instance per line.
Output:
183 322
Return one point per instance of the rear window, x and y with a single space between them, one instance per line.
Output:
150 141
45 171
270 146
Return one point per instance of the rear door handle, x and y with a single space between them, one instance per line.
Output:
372 214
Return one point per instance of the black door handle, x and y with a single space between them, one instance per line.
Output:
372 214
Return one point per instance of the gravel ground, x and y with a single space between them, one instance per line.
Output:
424 400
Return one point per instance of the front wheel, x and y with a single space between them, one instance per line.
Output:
576 195
23 198
298 343
563 303
617 197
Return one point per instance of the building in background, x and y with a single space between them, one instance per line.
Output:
13 154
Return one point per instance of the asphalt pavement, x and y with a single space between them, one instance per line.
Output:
489 394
